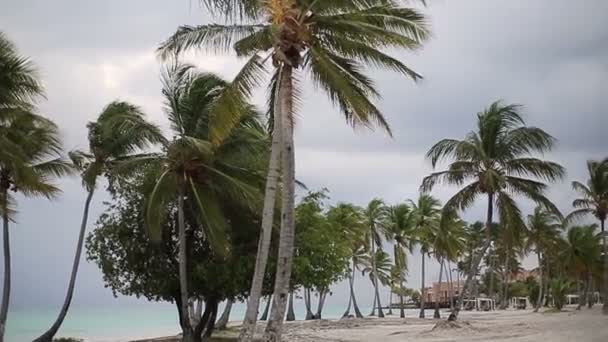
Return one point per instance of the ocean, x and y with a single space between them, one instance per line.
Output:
125 323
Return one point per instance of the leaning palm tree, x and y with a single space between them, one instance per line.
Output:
375 217
543 233
28 173
208 175
119 135
495 161
425 214
401 231
330 40
594 201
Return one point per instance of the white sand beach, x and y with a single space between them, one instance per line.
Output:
505 326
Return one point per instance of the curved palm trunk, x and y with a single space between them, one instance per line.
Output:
266 309
505 295
375 275
605 277
272 180
436 314
352 291
374 305
350 297
422 289
291 315
541 286
285 256
476 261
590 298
6 291
210 326
225 317
49 334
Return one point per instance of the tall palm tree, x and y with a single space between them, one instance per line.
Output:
332 41
378 267
594 201
447 244
375 218
29 172
349 218
425 214
208 175
401 231
543 232
119 135
582 251
29 148
495 160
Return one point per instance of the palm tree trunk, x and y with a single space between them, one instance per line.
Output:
436 314
322 296
183 270
505 292
351 292
266 309
308 305
580 290
291 315
6 291
272 180
390 301
491 285
210 327
448 271
605 277
49 334
375 275
401 304
287 233
540 283
422 290
374 305
225 317
476 260
590 298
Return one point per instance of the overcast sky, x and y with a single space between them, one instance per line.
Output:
550 55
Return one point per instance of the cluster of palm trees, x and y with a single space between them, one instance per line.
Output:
219 150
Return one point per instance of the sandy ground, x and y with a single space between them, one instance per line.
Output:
504 326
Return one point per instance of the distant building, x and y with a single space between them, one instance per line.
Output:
524 274
443 292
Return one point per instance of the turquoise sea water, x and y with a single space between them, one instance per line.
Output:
120 323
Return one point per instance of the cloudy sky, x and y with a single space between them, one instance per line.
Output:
549 55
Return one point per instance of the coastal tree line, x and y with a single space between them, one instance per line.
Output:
185 205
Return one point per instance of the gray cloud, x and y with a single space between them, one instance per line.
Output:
550 56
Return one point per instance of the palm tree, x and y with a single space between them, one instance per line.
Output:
594 201
495 160
447 244
581 253
509 246
401 231
379 267
27 141
375 216
29 172
543 232
332 41
425 214
349 218
119 135
191 167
